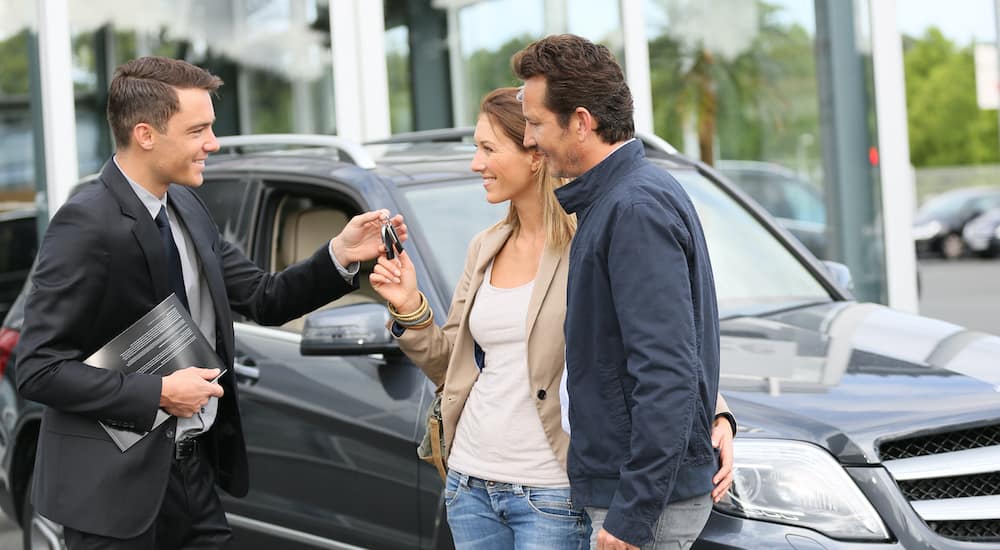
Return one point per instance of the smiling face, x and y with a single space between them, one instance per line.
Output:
180 151
508 171
544 132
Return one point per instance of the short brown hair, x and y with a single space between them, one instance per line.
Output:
144 90
579 73
503 110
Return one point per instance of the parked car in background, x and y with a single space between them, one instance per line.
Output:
982 234
18 245
797 204
939 222
861 428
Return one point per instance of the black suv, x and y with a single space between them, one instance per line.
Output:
18 244
861 427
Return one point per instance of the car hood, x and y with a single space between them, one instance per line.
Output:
846 376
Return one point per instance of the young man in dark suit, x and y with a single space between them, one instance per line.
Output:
110 254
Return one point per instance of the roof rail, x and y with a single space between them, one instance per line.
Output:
354 152
649 139
427 136
654 141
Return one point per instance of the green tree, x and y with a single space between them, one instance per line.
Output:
756 104
946 125
487 70
14 70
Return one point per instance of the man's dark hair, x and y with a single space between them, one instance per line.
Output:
579 73
144 90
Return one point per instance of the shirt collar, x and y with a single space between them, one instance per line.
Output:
149 200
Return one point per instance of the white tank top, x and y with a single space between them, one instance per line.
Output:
499 435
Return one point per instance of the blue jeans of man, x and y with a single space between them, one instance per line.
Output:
487 515
678 527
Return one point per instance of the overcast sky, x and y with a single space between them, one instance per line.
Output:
963 21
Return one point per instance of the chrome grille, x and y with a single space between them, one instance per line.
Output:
974 531
951 487
973 438
951 479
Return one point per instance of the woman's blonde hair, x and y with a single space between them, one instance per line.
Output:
503 110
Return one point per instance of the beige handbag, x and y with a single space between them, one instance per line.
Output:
431 448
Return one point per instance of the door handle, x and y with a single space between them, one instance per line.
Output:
246 373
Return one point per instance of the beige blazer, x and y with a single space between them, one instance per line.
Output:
446 355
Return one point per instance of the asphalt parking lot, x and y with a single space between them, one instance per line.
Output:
965 292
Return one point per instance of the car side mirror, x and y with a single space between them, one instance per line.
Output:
357 329
840 274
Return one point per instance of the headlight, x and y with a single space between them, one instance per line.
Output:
926 230
799 484
996 232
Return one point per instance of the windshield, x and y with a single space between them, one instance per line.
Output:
754 273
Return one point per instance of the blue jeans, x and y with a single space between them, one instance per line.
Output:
486 515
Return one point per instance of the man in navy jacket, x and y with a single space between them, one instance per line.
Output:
642 326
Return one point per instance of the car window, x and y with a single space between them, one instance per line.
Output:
226 199
943 205
805 202
450 215
754 272
18 244
302 225
768 190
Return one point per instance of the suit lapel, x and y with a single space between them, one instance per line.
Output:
143 227
543 280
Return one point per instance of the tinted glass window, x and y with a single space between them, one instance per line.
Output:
18 244
451 214
226 199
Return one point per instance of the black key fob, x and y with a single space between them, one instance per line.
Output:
391 241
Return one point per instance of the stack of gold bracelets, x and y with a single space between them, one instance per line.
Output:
422 317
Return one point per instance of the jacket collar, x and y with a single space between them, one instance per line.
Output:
580 193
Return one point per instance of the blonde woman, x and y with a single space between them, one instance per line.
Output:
500 353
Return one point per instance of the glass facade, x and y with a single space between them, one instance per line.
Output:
17 149
274 56
489 32
775 94
750 88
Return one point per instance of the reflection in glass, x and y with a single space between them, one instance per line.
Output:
736 81
17 172
397 61
490 32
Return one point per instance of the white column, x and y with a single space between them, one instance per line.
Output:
556 13
896 173
360 76
458 91
637 62
58 110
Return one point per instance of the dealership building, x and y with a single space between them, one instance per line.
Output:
805 92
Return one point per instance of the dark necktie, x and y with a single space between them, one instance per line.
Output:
174 273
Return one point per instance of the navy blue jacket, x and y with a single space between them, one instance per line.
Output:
642 344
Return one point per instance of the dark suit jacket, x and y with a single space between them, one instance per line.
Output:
100 267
